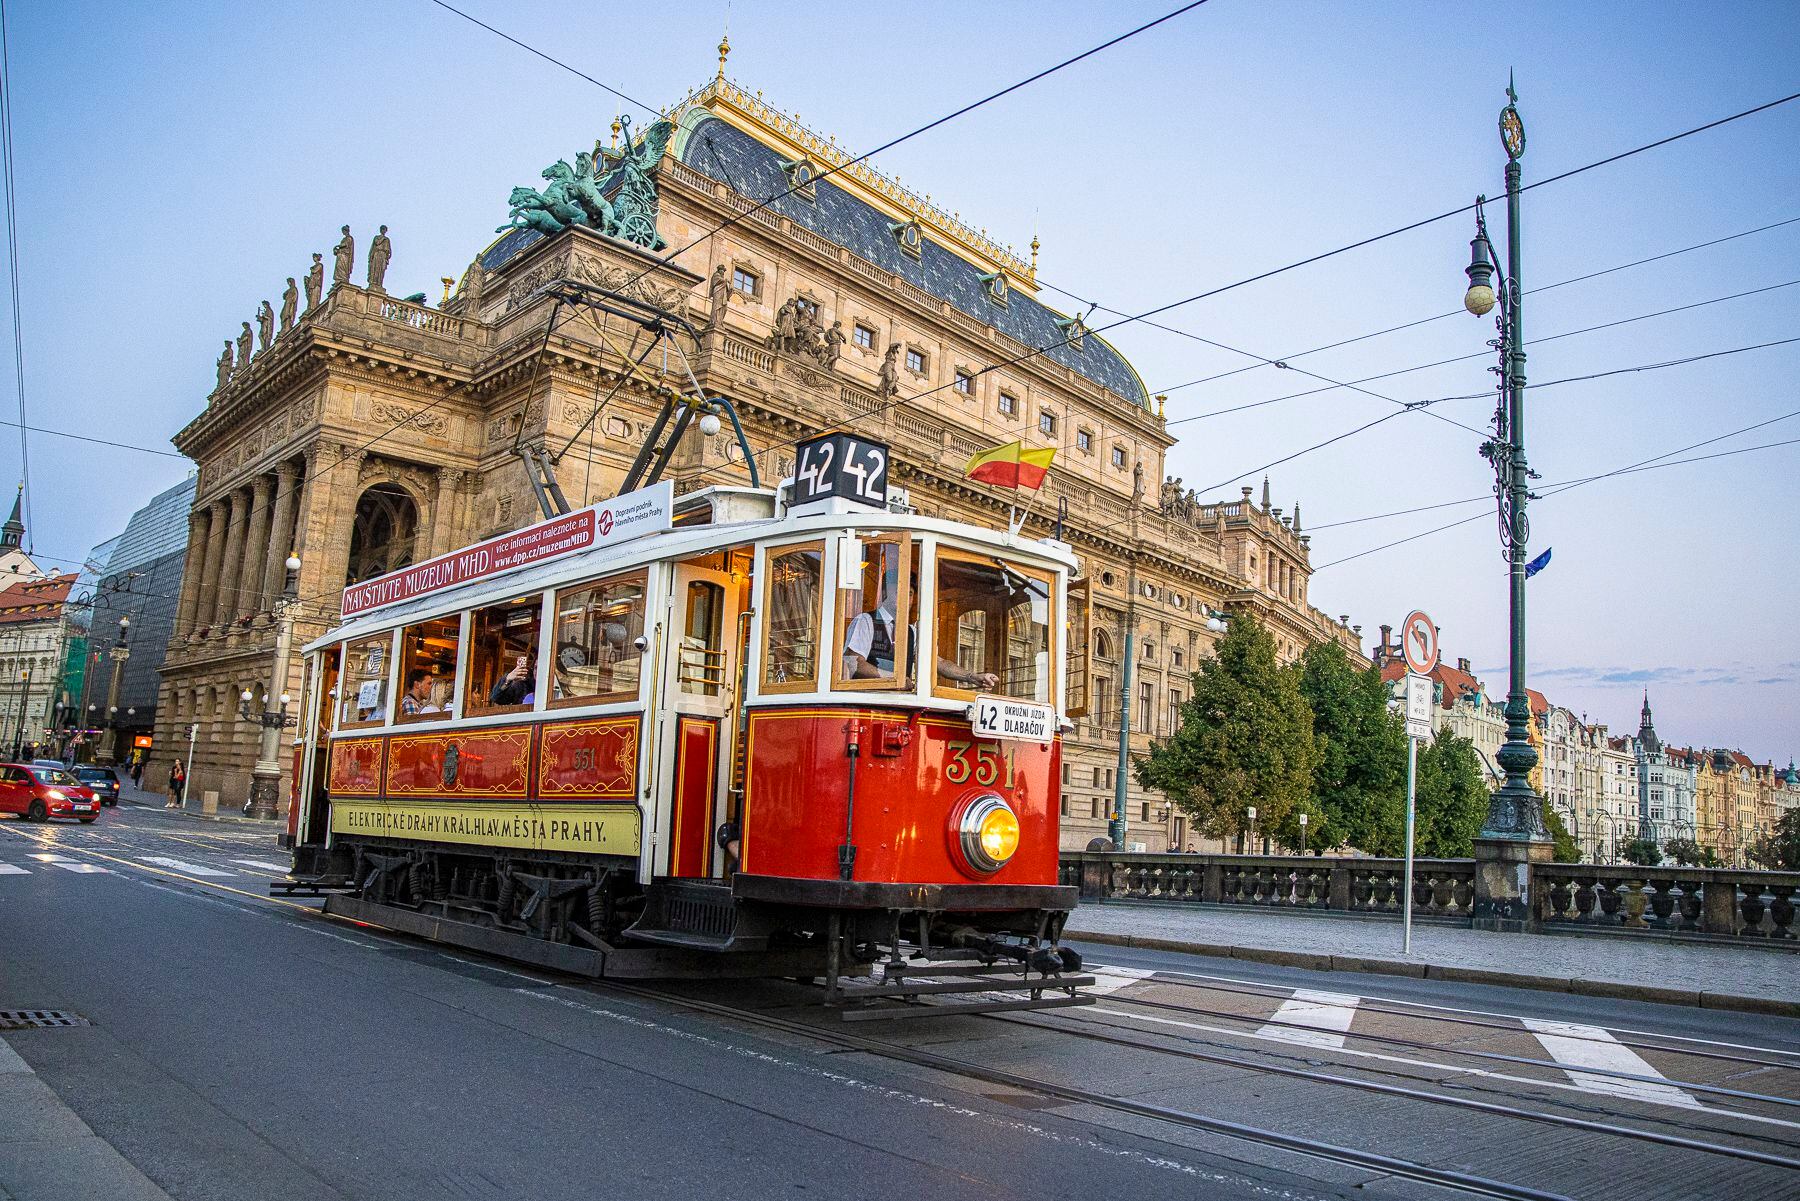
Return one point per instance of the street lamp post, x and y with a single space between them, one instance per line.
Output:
1303 834
118 654
24 694
1515 811
265 777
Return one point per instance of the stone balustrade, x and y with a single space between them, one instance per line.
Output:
1673 900
1442 888
1717 902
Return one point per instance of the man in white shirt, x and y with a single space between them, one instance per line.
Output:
869 651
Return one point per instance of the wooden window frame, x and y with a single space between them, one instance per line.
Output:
1046 418
393 658
913 352
1053 649
856 328
902 628
605 698
1008 405
754 291
962 380
764 686
465 666
454 711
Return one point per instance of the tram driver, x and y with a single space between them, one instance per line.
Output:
869 641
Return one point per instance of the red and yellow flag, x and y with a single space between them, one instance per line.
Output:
1011 466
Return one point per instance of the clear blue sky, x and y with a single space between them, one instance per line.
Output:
176 162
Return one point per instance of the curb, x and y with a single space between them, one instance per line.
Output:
1316 961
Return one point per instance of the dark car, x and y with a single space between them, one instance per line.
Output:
40 793
103 780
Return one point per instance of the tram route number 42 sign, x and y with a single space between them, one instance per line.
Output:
844 466
1020 721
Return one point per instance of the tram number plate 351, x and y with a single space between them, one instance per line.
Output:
1021 721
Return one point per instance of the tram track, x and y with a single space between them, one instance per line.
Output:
1351 1156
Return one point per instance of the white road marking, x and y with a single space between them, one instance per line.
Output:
193 869
52 858
85 869
1329 1015
1112 979
267 867
1484 1073
12 869
1576 1046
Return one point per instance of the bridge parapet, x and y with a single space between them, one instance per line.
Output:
1687 900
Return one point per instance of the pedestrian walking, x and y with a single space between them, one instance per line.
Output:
137 771
177 785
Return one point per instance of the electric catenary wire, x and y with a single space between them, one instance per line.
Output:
12 259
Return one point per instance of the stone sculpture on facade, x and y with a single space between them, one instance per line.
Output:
246 346
718 292
315 281
578 195
890 370
380 252
265 327
343 258
1179 503
290 302
833 345
225 364
786 325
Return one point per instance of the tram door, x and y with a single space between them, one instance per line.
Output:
699 699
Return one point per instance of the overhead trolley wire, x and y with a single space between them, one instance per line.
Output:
12 259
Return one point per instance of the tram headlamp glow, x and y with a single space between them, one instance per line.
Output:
988 833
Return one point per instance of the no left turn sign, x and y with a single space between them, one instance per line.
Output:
1419 642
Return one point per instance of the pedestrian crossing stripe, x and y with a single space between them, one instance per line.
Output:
267 867
192 869
11 869
1327 1016
1577 1046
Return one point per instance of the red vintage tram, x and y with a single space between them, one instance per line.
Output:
694 737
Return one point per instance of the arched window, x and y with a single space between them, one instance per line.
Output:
383 534
1102 645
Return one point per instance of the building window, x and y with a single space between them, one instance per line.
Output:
1009 404
1146 718
747 282
807 308
1084 441
1118 457
915 361
996 286
908 235
1096 783
1174 710
1175 656
863 336
964 382
1065 806
1144 811
1094 807
1149 651
1047 423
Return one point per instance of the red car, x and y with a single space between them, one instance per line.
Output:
41 793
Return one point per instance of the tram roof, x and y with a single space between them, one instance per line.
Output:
679 543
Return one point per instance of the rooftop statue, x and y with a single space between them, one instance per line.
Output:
611 193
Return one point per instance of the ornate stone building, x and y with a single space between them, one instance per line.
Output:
376 431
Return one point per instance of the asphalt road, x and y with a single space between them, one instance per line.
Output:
239 1046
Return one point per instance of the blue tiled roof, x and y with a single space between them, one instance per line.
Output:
752 169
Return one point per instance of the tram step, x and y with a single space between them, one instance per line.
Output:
697 915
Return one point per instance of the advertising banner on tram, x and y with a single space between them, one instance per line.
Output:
633 515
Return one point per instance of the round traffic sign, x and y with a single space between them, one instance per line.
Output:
1419 642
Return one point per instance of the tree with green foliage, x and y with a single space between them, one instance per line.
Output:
1779 850
1688 853
1450 798
1246 738
1642 851
1360 784
1567 849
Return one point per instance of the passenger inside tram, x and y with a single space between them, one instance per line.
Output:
869 635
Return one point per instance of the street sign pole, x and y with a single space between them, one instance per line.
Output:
1412 761
1419 647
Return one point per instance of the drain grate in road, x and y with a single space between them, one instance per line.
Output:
38 1019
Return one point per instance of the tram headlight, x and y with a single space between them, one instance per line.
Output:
987 833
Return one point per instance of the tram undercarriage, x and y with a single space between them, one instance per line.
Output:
877 949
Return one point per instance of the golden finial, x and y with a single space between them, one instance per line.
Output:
1034 250
1162 398
448 284
724 51
615 131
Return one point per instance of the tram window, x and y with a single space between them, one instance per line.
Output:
428 669
874 640
702 649
597 628
790 653
503 647
993 628
363 685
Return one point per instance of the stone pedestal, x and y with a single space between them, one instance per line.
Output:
1503 881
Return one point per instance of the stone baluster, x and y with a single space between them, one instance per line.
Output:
281 534
207 603
193 566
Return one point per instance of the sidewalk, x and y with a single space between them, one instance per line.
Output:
1640 968
131 794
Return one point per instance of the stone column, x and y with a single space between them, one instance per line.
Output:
231 567
256 545
448 482
193 565
206 609
281 538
